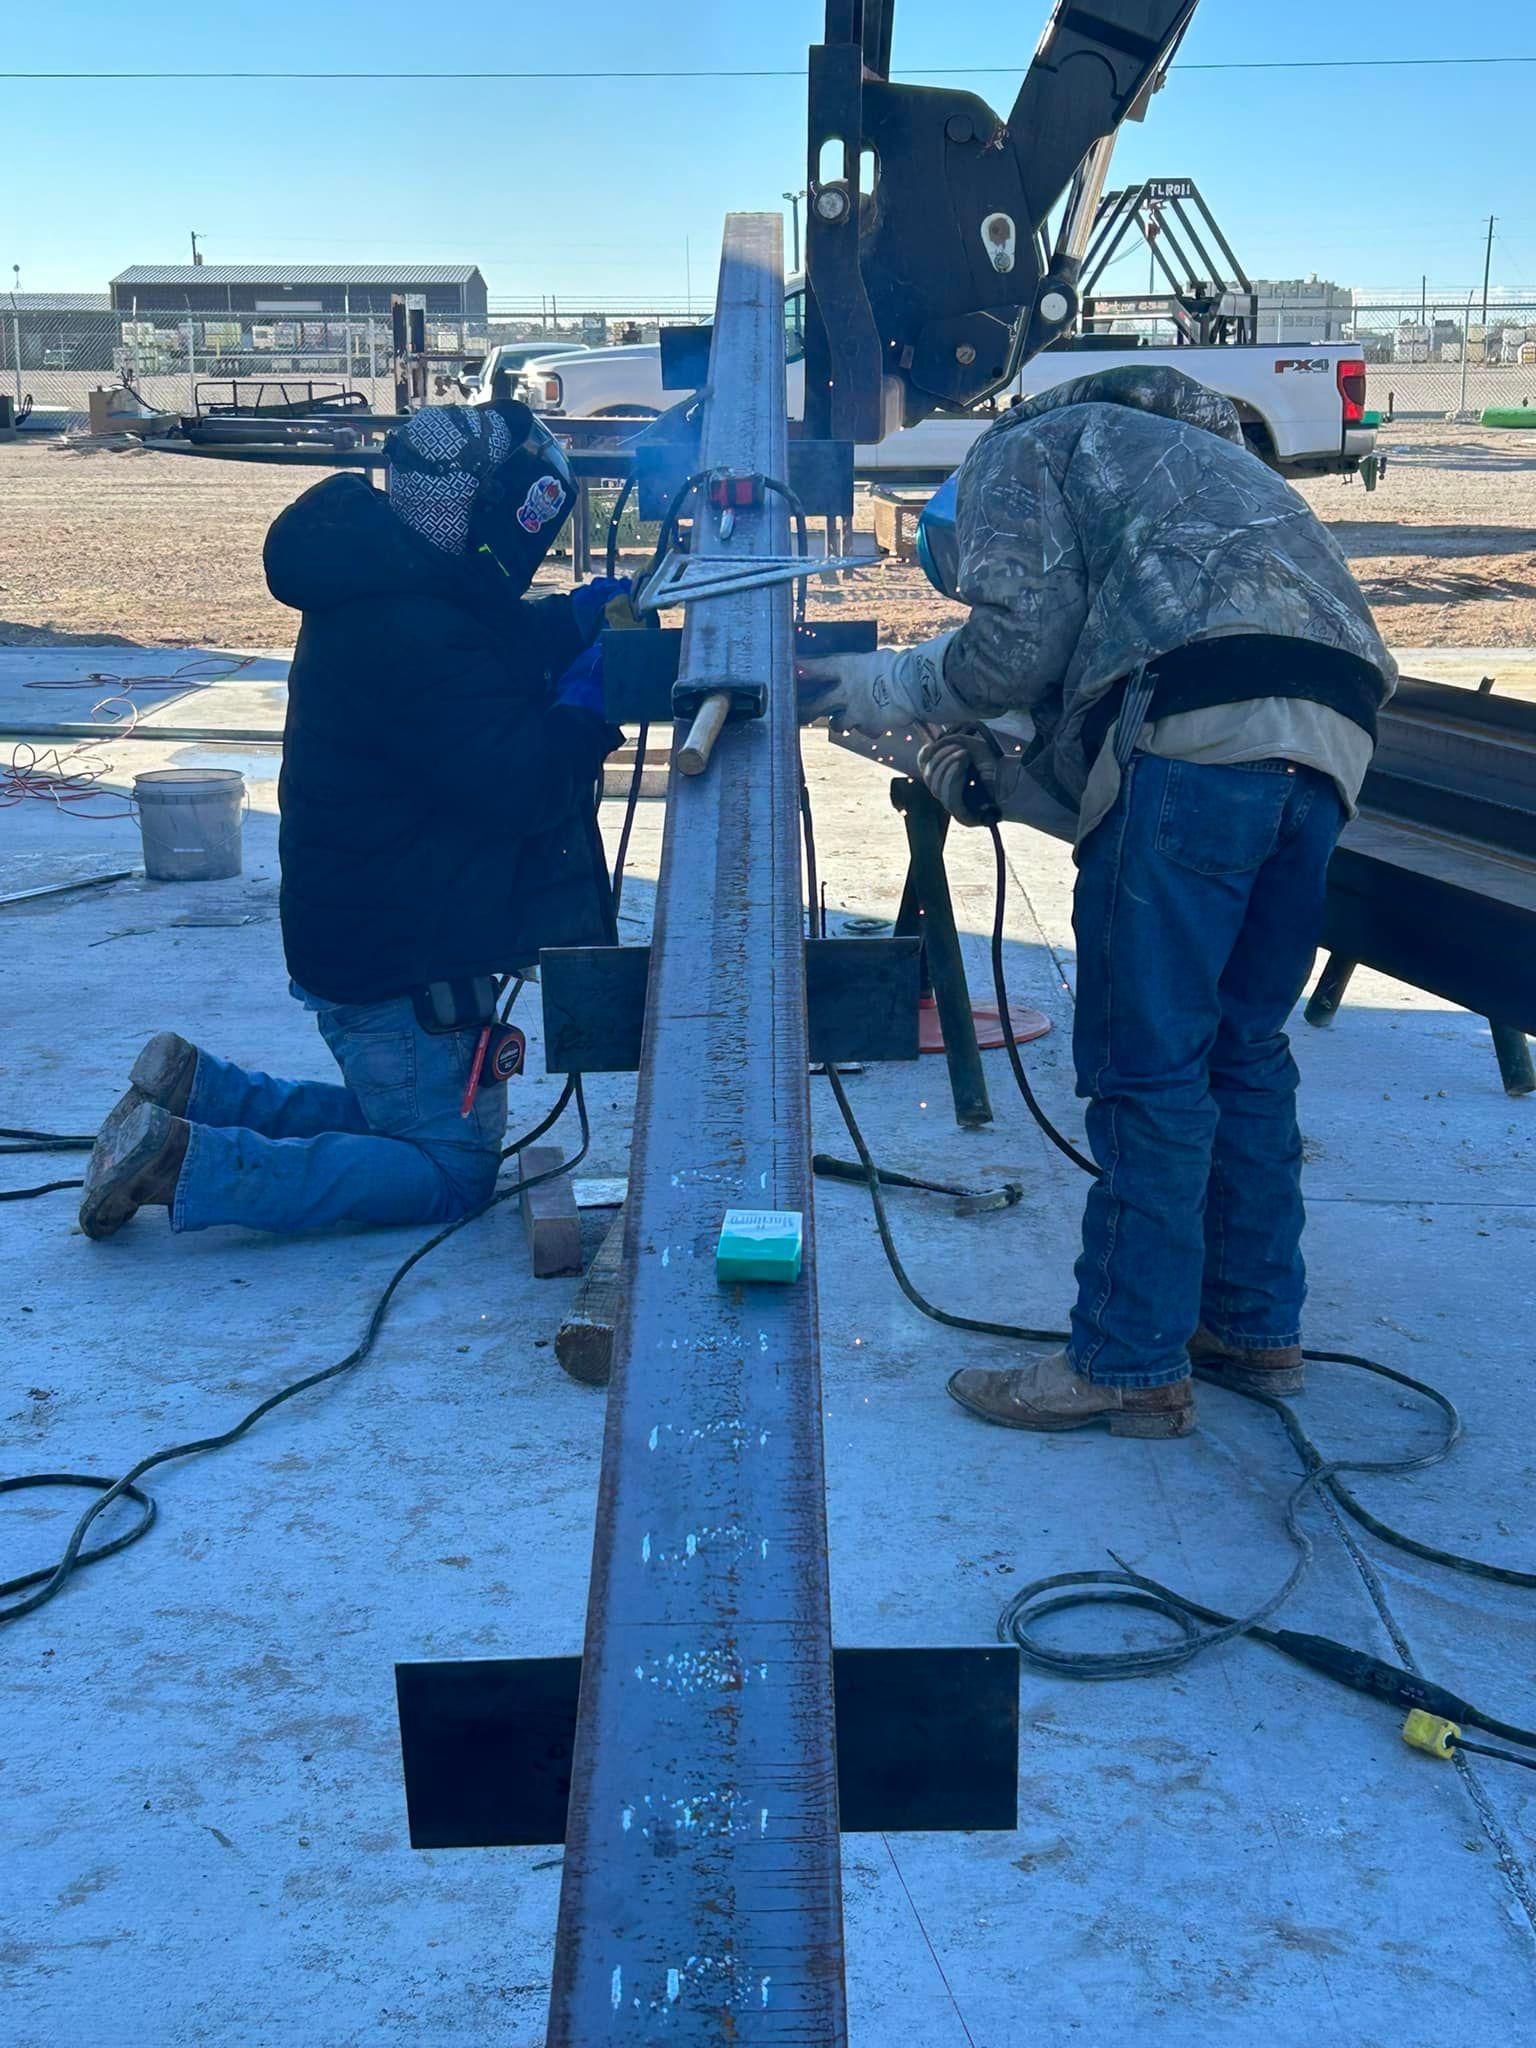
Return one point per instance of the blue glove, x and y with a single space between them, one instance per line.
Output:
590 600
581 687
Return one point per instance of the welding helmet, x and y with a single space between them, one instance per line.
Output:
937 547
482 479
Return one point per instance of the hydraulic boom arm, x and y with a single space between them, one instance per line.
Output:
929 276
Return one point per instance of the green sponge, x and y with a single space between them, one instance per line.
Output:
759 1244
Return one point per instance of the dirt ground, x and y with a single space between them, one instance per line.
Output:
166 550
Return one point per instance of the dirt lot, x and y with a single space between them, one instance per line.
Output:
167 551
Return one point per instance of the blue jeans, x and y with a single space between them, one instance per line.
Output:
1198 906
388 1146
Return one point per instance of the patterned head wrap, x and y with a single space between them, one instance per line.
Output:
437 462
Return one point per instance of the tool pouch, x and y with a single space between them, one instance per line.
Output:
445 1006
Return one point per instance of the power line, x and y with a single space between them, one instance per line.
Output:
586 77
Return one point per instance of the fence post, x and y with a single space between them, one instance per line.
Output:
16 354
191 370
373 369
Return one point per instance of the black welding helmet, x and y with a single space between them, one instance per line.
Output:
938 549
489 479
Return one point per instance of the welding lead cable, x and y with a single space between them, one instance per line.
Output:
40 1141
1063 1144
631 805
49 1580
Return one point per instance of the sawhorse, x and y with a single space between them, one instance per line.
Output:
1510 1045
927 913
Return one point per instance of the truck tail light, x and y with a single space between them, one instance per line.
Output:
554 390
1352 389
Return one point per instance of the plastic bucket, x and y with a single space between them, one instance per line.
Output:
190 820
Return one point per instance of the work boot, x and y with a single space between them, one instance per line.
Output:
134 1166
1051 1394
162 1073
1280 1371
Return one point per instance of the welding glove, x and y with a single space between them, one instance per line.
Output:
590 600
972 771
581 687
876 693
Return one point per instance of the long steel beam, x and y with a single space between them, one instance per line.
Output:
701 1899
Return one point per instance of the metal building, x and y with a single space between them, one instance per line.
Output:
453 292
1304 310
56 331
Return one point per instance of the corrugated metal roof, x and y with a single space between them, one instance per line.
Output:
297 273
56 302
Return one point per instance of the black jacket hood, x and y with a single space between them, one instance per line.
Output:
340 542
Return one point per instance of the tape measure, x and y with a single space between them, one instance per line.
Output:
499 1054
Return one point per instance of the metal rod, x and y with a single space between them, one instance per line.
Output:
1324 1003
1513 1051
700 1900
708 724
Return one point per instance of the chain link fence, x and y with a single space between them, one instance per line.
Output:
1428 358
57 358
1436 358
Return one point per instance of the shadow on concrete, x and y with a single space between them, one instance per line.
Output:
14 634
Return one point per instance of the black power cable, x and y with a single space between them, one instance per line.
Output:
1005 1015
40 1141
50 1580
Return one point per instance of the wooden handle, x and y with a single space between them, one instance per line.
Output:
708 723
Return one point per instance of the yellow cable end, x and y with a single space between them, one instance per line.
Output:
1430 1732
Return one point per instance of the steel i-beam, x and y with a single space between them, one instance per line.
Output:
701 1898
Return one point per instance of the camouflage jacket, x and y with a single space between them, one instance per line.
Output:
1112 520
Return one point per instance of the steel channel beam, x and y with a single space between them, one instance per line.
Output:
1435 888
701 1899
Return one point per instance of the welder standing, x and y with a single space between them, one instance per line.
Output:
443 746
1198 678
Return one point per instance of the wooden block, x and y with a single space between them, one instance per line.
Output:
550 1215
584 1341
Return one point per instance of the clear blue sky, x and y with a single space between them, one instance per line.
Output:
1368 176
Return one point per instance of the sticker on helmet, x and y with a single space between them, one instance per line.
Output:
545 501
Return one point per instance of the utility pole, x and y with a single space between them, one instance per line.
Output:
794 199
196 259
1487 266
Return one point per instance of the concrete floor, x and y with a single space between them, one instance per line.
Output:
203 1819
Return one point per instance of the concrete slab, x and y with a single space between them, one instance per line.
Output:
219 689
201 1793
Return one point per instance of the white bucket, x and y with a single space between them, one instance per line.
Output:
190 820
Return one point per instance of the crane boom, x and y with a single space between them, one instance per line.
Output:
929 277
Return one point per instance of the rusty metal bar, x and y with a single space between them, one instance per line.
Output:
701 1899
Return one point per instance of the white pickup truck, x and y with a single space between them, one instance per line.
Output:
1302 405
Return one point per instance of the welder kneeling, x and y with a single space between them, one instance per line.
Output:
443 743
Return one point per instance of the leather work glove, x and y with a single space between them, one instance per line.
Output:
581 687
876 693
590 600
971 773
